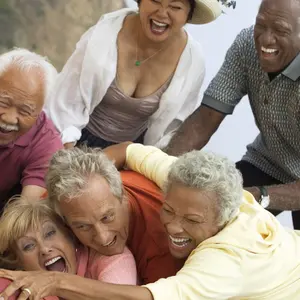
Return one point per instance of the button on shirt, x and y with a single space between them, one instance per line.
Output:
25 162
275 105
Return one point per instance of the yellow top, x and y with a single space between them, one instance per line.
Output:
253 257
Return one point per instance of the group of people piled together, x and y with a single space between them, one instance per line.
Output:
104 190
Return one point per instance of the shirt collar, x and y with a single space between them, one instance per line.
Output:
293 70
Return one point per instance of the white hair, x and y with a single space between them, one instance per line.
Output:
71 169
26 60
210 172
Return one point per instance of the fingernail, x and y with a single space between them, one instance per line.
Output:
1 298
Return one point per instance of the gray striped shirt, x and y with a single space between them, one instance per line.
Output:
275 105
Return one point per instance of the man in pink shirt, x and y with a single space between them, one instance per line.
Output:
28 139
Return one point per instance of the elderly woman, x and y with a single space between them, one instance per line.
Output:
232 246
34 238
134 76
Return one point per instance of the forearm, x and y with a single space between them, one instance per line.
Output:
282 197
72 287
196 131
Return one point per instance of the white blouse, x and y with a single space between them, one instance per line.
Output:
91 69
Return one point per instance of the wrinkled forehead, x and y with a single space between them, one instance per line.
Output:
288 9
25 82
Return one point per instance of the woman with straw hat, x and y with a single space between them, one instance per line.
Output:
135 75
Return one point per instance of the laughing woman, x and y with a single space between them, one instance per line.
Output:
34 238
134 76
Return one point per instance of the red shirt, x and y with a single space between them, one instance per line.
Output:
25 161
147 239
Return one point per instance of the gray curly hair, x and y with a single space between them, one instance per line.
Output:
70 170
213 173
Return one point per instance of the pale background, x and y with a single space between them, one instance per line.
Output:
239 129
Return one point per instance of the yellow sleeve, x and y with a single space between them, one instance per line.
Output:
212 274
150 162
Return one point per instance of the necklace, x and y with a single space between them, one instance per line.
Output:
139 62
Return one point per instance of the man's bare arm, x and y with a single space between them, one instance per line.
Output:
282 196
196 131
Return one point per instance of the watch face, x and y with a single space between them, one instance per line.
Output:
265 201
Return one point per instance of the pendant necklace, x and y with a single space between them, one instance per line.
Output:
139 62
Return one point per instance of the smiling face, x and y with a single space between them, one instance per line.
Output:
21 101
277 34
98 218
189 217
46 248
162 19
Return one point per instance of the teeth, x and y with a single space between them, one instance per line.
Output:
178 240
52 261
159 24
268 50
108 244
9 127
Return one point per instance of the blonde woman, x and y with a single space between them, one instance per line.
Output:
134 76
34 238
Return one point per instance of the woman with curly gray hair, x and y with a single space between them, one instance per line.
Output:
231 245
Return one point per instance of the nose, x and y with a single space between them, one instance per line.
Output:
174 228
268 38
102 235
45 249
163 11
10 116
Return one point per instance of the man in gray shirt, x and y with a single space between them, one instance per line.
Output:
263 63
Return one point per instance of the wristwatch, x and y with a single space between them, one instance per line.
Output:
264 197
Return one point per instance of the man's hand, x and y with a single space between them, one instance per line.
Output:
33 192
117 153
69 145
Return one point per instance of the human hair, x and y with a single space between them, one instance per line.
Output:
25 60
209 172
19 216
70 170
191 12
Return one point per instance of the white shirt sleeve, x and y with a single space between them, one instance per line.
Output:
66 107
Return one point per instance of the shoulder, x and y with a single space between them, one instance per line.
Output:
46 135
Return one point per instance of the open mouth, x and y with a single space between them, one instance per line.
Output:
158 27
57 264
111 243
5 131
269 52
180 242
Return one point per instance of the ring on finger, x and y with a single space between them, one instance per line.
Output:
27 291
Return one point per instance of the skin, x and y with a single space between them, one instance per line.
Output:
189 214
98 219
136 41
194 218
21 101
277 26
38 246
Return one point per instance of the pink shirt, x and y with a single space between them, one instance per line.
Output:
118 269
26 160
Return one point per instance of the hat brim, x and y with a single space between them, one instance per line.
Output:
205 11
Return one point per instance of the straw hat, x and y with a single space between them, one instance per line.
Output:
205 11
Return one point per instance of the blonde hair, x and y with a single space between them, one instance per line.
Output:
19 216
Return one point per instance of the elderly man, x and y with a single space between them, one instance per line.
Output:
27 138
230 244
263 63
